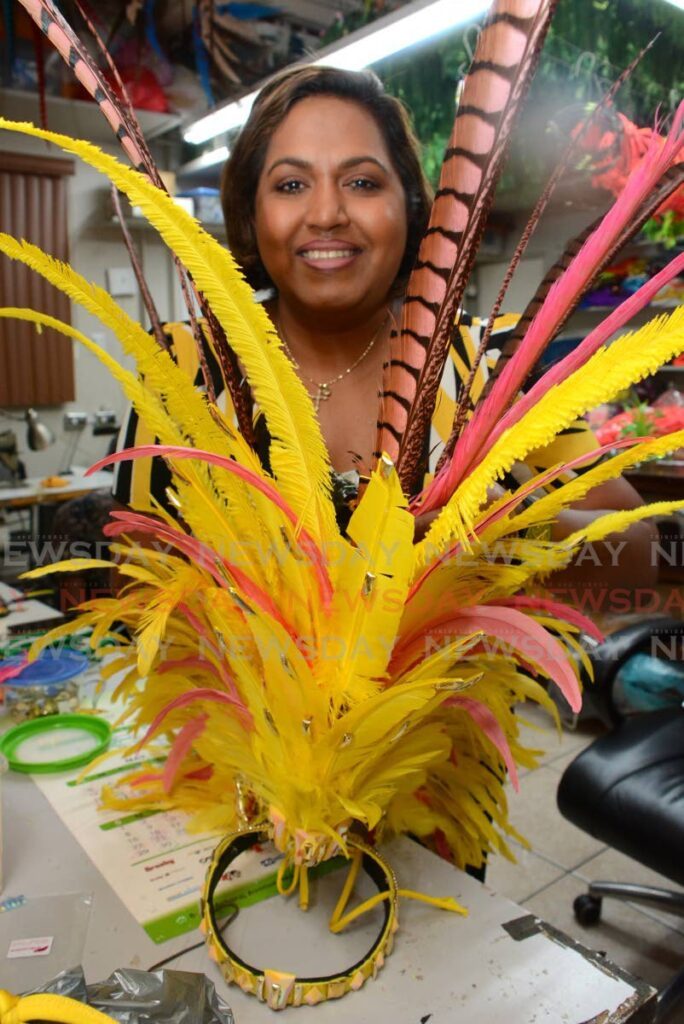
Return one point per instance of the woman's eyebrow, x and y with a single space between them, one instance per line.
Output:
294 161
352 161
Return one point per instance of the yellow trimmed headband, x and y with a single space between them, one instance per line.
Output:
279 989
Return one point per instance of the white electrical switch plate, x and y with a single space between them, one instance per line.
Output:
120 281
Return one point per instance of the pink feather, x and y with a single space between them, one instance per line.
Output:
202 556
558 610
203 664
189 698
181 747
564 292
199 775
121 522
486 720
218 668
143 780
202 631
516 630
305 540
199 627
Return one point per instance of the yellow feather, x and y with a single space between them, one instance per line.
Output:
182 403
546 509
298 453
371 581
609 371
208 488
69 565
618 522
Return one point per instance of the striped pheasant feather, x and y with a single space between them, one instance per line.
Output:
465 402
121 117
72 51
504 62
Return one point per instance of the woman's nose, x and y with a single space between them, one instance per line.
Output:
327 207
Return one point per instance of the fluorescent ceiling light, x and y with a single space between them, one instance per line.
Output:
208 159
415 23
223 119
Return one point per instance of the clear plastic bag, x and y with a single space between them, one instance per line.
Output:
62 920
147 997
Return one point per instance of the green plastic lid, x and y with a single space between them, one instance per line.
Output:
55 743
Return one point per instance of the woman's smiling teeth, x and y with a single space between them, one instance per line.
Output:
328 254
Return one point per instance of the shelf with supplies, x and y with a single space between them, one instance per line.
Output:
651 309
639 262
80 118
109 218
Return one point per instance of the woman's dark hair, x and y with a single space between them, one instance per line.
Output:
243 168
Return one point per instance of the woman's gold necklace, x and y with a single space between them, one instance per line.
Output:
323 388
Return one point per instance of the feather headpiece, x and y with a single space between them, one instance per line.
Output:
327 684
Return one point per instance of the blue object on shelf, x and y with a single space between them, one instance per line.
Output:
50 667
248 12
200 190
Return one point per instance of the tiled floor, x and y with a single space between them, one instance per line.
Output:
647 942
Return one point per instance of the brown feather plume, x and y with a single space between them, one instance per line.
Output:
133 256
504 62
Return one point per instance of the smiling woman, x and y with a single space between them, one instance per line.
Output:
331 221
325 203
393 145
331 224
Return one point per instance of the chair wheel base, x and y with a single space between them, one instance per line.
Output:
587 909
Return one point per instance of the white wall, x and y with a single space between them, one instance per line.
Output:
94 245
545 246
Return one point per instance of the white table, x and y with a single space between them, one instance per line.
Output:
31 492
25 613
497 965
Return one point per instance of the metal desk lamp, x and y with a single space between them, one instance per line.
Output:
38 436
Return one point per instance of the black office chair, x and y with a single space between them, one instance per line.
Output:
627 788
